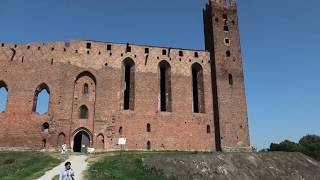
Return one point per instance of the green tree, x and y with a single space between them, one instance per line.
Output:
286 146
311 146
308 145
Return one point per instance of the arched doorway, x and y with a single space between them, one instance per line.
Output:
81 142
100 142
61 139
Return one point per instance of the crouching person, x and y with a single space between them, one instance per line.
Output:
66 173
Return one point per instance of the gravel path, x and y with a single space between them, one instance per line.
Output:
78 164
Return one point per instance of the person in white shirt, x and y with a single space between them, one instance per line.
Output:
66 173
63 149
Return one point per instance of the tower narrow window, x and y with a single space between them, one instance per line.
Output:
148 145
164 52
225 17
227 41
3 96
148 127
120 131
165 86
228 53
85 89
41 99
84 112
197 88
225 28
230 79
128 84
208 129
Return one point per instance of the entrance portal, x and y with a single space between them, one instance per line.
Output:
81 142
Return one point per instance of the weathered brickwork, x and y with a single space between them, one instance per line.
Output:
157 98
228 80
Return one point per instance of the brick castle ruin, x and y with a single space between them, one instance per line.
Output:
158 98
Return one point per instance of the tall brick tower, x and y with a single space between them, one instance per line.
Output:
222 40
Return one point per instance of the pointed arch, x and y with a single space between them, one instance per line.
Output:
84 95
3 96
41 99
86 73
128 84
100 141
61 139
85 130
3 85
197 88
45 128
165 86
81 136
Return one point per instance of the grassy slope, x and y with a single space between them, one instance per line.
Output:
128 166
25 165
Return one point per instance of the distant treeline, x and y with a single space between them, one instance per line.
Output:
308 145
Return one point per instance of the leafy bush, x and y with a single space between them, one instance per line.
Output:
286 145
309 145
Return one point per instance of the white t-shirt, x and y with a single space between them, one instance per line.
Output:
66 174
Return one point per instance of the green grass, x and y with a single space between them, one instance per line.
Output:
128 166
25 165
55 177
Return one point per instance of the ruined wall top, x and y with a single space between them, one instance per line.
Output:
224 2
97 55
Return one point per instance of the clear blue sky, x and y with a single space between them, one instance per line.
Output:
279 41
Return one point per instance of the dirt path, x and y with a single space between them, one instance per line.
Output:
78 164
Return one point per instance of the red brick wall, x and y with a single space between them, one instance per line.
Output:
65 66
230 106
58 65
